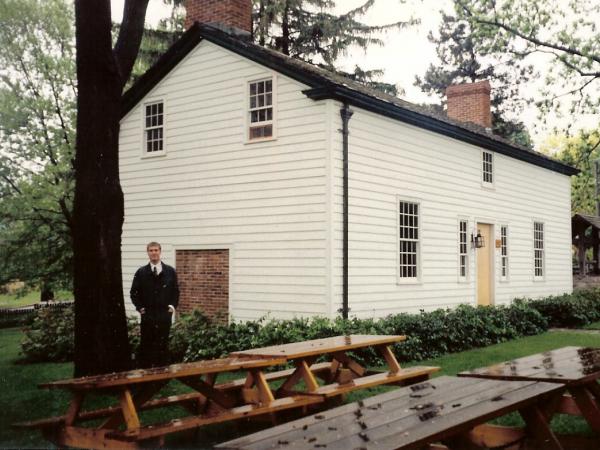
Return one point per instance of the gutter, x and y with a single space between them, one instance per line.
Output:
346 114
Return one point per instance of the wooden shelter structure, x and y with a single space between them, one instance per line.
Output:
585 230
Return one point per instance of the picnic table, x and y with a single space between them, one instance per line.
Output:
211 401
576 368
447 410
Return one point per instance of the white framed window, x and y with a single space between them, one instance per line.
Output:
260 109
487 168
503 253
538 249
154 128
463 250
408 240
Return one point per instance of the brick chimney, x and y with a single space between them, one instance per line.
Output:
231 13
470 102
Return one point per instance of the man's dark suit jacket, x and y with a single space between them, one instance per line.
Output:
155 293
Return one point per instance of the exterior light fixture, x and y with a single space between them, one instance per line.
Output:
477 241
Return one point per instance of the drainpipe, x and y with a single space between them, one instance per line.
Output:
346 114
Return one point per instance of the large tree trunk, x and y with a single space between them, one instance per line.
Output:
101 343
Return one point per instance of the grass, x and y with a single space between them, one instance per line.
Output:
31 297
18 388
592 326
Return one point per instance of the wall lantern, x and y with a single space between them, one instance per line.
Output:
477 241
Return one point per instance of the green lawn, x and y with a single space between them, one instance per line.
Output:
18 388
13 301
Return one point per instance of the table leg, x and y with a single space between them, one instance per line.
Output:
390 358
538 428
132 420
297 375
74 408
350 363
587 405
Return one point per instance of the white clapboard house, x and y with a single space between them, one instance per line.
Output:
278 188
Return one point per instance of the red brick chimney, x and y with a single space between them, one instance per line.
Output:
232 13
470 102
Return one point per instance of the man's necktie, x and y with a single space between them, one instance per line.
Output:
155 271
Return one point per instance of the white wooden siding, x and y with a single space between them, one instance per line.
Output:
266 202
389 159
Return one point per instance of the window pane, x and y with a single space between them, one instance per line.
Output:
253 89
269 85
253 102
269 99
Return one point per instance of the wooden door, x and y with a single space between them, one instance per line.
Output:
484 266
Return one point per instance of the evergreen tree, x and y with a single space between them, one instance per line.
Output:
461 61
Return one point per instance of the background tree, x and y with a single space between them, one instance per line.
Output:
37 111
461 61
580 151
564 37
310 31
101 343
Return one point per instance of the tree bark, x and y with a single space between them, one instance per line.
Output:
101 341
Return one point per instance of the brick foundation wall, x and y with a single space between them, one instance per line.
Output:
235 13
204 282
470 102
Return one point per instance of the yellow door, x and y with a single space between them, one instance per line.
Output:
484 266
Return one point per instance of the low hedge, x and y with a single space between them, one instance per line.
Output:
429 334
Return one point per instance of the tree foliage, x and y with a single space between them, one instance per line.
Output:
561 32
310 31
461 61
580 151
37 113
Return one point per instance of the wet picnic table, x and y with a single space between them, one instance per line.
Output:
576 368
212 400
447 410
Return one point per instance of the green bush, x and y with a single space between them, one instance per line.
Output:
569 310
429 334
51 335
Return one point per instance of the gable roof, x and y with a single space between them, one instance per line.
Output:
325 84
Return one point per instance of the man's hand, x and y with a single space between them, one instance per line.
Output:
142 310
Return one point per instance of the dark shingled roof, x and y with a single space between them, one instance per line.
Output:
326 84
587 220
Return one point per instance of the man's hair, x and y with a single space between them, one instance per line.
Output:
153 244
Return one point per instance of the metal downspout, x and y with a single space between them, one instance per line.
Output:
346 114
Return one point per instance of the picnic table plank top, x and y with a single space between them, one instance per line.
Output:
567 365
163 373
408 417
320 346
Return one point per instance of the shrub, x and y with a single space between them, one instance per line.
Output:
429 334
51 335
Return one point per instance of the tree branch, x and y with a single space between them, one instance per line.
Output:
130 37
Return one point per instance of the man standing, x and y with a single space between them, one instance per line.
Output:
155 295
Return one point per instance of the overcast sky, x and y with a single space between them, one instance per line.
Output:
407 53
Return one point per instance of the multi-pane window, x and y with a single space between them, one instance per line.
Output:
538 248
154 127
463 257
503 252
488 167
409 239
261 109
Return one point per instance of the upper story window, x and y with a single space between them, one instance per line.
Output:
538 249
154 127
463 255
488 167
260 109
408 234
503 253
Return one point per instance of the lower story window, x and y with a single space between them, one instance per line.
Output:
538 249
504 253
463 256
408 232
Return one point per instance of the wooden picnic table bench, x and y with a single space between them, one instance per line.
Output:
447 410
576 368
213 400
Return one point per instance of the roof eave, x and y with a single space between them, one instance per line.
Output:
422 121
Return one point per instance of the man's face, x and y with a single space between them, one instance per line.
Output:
154 254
